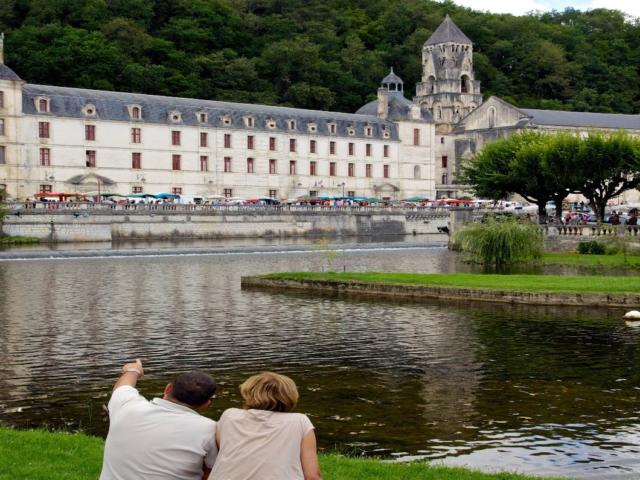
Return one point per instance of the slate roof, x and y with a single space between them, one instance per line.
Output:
399 108
448 32
7 74
392 78
68 102
582 119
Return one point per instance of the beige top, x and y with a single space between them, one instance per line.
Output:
260 445
157 440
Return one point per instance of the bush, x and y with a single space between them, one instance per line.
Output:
592 247
500 242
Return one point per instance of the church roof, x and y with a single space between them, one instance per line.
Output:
392 78
7 74
69 102
583 119
448 32
399 108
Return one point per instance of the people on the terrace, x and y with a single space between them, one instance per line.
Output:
161 439
266 440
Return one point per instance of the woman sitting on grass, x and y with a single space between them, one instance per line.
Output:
265 440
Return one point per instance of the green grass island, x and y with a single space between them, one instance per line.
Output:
74 456
561 290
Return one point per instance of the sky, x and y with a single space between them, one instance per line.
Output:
520 7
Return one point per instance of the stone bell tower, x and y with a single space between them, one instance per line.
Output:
448 88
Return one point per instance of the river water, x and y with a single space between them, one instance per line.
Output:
540 390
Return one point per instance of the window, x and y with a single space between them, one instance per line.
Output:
43 105
43 129
45 157
204 163
332 128
202 117
312 168
1 99
90 132
367 170
175 162
385 150
332 148
352 148
175 137
226 120
312 146
352 169
416 136
227 140
492 117
272 167
249 165
1 127
227 164
416 172
250 142
292 167
385 171
136 189
204 139
445 177
136 113
176 190
368 131
228 193
136 161
175 116
46 189
136 136
312 127
368 149
292 124
444 161
3 157
292 144
441 139
273 193
249 121
272 143
332 169
90 158
271 123
313 193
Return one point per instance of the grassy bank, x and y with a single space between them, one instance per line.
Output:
577 260
514 283
36 454
6 240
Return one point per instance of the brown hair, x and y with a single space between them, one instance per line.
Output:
270 391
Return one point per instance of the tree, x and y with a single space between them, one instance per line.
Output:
610 165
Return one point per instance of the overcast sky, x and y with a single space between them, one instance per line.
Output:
520 7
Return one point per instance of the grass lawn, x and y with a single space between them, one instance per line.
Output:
575 259
40 455
517 283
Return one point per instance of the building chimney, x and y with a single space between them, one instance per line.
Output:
383 103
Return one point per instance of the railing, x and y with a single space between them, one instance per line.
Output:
591 230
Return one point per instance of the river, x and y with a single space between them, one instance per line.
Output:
540 390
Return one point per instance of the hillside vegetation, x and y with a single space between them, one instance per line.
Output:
325 54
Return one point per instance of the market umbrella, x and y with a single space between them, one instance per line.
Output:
416 199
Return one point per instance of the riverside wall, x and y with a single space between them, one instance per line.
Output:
68 225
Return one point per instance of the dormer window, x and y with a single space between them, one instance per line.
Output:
226 120
292 124
313 128
351 131
250 121
202 117
368 131
135 112
332 128
42 104
89 110
175 116
271 123
385 133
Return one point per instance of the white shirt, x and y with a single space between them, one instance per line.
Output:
156 440
260 445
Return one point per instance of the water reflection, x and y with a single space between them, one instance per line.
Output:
535 389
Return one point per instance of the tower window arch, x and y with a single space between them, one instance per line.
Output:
432 84
465 84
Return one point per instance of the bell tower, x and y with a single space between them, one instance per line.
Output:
448 88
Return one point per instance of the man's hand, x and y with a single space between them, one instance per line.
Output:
131 373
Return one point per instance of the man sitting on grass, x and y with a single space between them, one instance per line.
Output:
161 439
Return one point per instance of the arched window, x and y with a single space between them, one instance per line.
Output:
432 84
43 105
135 113
492 117
465 84
416 172
438 113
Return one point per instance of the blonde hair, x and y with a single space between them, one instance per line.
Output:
270 391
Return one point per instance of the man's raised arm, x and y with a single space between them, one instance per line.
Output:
131 373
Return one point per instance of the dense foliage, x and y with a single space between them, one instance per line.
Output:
500 242
548 167
317 53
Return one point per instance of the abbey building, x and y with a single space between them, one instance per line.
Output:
59 139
